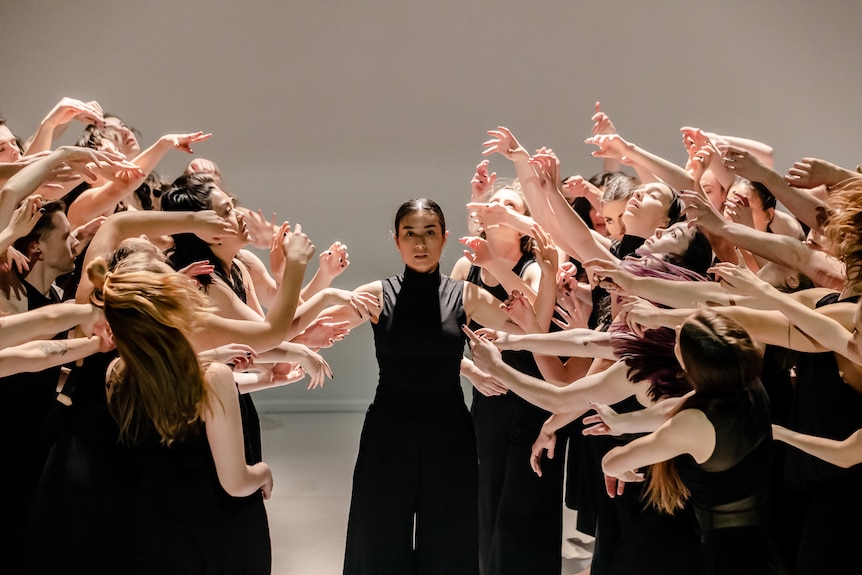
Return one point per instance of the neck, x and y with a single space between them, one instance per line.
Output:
41 278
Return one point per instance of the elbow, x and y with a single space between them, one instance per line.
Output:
238 485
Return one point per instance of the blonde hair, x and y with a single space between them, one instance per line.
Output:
159 382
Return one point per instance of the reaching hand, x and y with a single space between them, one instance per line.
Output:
521 312
547 167
738 279
609 275
365 304
86 232
69 109
610 146
486 356
482 182
482 253
737 209
334 260
743 163
195 269
640 315
260 230
605 421
602 123
316 368
699 211
572 312
577 187
615 486
485 384
296 245
25 216
183 142
545 442
503 142
546 253
487 216
323 332
812 172
12 258
211 227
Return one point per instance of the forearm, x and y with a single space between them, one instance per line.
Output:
26 182
577 342
668 172
44 137
51 319
319 282
803 205
682 294
844 453
560 374
43 354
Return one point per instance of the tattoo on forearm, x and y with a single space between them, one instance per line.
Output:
54 348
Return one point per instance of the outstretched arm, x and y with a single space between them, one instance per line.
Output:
843 453
806 207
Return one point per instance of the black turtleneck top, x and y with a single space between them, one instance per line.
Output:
418 340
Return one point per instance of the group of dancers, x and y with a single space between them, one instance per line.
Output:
642 338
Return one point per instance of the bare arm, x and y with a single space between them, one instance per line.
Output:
843 453
42 354
224 434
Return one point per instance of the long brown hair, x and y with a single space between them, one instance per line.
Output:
720 358
159 383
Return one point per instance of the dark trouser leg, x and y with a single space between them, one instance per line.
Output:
380 525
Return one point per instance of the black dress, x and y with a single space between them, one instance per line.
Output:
416 466
520 513
184 522
730 490
829 498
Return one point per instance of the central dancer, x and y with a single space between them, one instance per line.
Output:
414 503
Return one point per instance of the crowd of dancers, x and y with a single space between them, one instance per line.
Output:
664 340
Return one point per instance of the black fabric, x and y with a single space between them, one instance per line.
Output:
29 421
829 497
520 513
631 537
730 490
184 522
417 453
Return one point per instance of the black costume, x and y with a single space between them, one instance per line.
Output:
829 497
417 453
520 513
730 490
184 522
29 418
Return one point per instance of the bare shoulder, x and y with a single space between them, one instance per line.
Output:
692 430
460 269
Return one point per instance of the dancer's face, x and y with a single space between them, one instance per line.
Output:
420 239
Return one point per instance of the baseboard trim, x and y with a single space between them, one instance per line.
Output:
299 406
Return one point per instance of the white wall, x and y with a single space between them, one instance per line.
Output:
334 112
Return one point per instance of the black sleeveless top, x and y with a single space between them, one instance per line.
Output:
730 488
418 340
823 405
523 361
